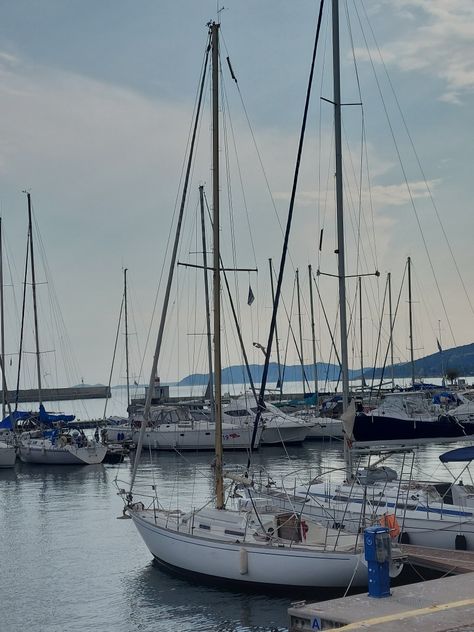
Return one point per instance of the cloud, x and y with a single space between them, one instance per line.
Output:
381 195
439 42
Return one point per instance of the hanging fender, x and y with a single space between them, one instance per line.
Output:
244 561
390 521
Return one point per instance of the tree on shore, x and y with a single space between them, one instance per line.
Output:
452 375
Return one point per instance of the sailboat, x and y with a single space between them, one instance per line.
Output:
41 437
410 417
252 543
171 426
417 512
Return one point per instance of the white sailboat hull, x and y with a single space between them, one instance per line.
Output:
325 428
277 434
201 436
250 563
7 455
43 453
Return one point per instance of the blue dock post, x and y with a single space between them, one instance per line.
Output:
378 554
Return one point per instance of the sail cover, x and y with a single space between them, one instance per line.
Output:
8 422
48 418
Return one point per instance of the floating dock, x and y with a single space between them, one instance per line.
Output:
442 560
439 605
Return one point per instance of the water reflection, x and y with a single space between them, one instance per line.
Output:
184 605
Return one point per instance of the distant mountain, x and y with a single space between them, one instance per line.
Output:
237 374
460 359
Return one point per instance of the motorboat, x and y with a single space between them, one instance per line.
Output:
278 427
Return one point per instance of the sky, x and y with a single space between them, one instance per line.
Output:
96 103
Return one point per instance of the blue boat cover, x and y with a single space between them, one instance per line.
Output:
8 421
460 454
47 418
424 386
445 396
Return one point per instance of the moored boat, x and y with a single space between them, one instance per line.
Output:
7 455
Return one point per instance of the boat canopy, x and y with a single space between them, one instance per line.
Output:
459 455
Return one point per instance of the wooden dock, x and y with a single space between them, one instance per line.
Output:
440 605
443 560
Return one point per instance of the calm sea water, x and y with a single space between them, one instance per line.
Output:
68 564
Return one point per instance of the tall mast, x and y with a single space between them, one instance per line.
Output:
216 265
340 220
410 316
206 293
5 398
313 335
125 299
276 332
389 275
440 349
361 336
303 376
2 326
35 308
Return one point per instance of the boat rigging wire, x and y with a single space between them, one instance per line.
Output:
261 399
391 331
417 158
172 265
405 177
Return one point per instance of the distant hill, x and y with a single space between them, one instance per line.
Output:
460 359
237 374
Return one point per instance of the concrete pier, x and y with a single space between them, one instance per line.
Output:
440 605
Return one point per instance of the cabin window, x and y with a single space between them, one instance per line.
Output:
207 527
230 532
237 413
403 506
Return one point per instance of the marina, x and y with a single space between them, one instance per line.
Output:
92 571
274 431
